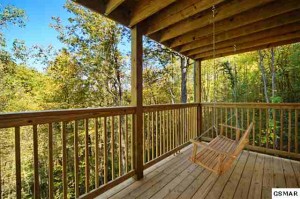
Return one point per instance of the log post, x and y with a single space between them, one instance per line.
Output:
197 94
137 97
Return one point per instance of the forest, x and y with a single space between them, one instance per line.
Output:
92 70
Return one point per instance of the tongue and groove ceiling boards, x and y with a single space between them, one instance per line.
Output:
186 26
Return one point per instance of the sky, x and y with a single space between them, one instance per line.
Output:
37 30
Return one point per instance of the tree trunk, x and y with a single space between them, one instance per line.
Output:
273 72
183 66
263 74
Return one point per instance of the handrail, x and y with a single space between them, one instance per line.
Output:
8 120
159 107
253 105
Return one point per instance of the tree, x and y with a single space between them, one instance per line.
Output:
92 42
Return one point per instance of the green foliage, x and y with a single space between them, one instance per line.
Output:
92 71
10 15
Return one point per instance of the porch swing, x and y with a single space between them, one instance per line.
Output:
219 154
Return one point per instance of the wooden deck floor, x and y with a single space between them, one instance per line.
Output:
252 176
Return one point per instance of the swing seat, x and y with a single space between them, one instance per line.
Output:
219 155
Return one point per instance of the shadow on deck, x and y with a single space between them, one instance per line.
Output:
252 176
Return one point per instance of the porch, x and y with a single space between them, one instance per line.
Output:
252 176
97 150
100 150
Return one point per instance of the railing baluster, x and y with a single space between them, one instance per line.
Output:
274 128
195 122
144 137
242 118
148 138
189 123
112 147
222 122
164 131
120 146
172 130
132 141
160 131
281 129
231 122
126 143
176 127
76 160
64 160
18 163
156 134
167 130
183 125
179 127
267 128
96 153
36 163
296 131
50 161
290 131
236 119
186 124
260 126
192 123
87 166
253 128
152 135
226 118
105 150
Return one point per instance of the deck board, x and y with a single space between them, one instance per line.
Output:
218 187
252 176
296 168
289 174
234 179
257 178
245 181
268 179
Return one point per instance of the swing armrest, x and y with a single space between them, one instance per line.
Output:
206 146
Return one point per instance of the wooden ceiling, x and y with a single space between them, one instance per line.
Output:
186 26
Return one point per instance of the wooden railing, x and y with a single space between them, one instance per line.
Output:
276 126
82 153
67 153
167 128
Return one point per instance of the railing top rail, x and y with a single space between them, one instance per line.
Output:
159 107
8 120
254 105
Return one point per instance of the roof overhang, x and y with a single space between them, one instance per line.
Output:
186 26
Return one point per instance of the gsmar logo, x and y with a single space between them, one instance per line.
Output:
287 193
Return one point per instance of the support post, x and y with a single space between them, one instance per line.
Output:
137 97
197 94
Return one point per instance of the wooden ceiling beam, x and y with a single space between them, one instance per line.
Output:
254 15
271 23
145 8
265 46
229 9
248 38
177 12
251 45
99 6
112 5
